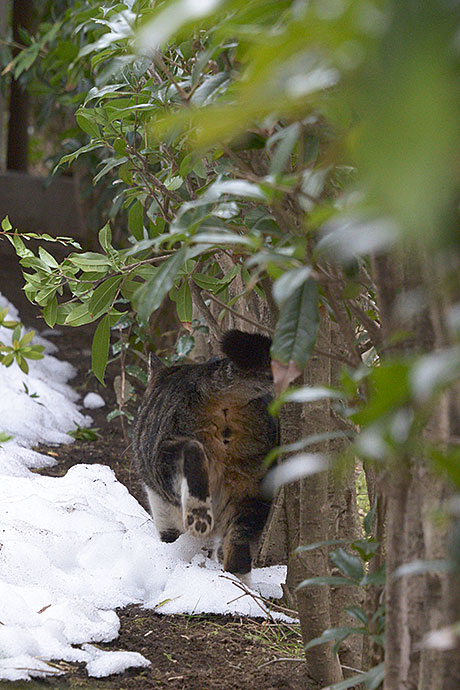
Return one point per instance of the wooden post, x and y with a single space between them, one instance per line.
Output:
17 152
3 26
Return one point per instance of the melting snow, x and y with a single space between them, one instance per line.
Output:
92 401
74 548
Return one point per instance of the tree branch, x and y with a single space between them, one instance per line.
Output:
236 313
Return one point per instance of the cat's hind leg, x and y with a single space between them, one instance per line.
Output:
166 516
196 503
247 520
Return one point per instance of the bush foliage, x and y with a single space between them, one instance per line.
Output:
264 147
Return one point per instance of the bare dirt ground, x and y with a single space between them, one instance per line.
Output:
186 652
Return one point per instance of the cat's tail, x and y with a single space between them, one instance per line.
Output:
247 351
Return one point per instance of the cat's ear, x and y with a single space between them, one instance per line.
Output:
247 350
155 365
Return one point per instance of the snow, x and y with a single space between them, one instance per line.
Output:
74 548
104 663
92 401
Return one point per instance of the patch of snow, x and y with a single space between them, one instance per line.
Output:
92 401
76 547
102 663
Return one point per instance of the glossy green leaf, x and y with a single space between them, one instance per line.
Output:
90 261
320 544
184 304
100 348
334 580
287 141
372 679
447 462
421 567
389 390
358 614
150 295
289 283
297 328
86 122
78 315
350 565
306 394
136 220
369 518
103 296
366 548
332 635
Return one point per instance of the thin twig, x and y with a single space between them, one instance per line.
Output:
334 355
282 658
236 313
350 668
214 327
345 325
160 63
371 327
246 591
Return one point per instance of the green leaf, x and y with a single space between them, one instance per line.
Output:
186 165
320 544
358 614
136 220
447 461
334 580
369 518
199 168
173 183
366 548
25 340
100 348
184 305
103 296
22 363
78 315
33 352
296 331
8 359
17 332
109 164
19 246
288 139
150 295
137 372
47 258
6 225
105 238
90 261
70 157
206 282
217 236
86 122
288 283
372 679
377 578
44 296
350 565
305 394
313 439
389 390
4 437
332 634
421 567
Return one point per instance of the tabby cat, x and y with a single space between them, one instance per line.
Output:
200 439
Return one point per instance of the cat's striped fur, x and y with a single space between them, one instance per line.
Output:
200 440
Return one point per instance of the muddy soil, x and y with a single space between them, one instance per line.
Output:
186 652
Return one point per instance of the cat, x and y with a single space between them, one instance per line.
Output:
200 439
